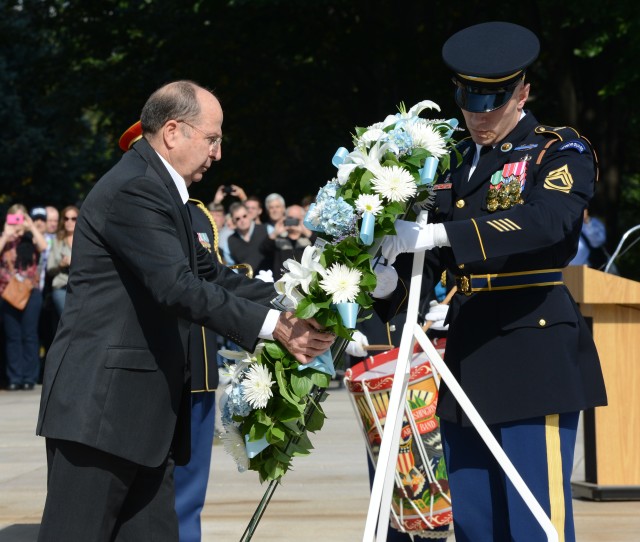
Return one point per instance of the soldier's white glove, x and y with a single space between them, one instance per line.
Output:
265 275
356 346
437 314
412 237
387 278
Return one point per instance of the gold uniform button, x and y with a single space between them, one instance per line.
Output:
542 322
461 266
460 204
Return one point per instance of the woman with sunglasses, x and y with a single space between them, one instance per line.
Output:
60 257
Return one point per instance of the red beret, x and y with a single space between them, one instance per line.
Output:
130 136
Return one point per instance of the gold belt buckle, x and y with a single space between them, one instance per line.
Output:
464 285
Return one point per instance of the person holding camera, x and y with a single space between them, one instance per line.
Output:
225 190
296 240
20 246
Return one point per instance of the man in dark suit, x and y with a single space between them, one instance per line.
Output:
115 401
506 220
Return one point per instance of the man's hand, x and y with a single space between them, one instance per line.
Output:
412 237
303 338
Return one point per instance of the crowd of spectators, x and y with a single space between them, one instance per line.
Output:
262 236
36 246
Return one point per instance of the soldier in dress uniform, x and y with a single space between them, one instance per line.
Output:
191 480
506 220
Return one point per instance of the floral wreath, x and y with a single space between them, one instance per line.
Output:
269 407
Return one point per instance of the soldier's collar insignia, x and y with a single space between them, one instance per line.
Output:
506 147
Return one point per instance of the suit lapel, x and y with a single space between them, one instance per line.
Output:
151 157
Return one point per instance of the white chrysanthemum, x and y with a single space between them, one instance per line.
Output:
341 282
394 184
370 203
256 386
424 135
233 443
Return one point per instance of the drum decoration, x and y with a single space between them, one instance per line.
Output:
421 504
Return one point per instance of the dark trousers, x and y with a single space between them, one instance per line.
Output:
486 506
191 479
21 340
93 496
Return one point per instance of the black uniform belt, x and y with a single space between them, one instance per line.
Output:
469 284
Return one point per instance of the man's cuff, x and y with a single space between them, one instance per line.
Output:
269 325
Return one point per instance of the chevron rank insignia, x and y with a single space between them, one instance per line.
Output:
559 179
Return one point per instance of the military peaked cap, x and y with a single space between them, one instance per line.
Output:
488 61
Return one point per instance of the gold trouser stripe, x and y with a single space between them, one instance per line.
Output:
484 255
554 466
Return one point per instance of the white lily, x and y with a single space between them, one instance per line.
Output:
421 106
290 295
301 273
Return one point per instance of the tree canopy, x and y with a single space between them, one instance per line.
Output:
294 78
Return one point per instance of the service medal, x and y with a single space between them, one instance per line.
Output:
506 186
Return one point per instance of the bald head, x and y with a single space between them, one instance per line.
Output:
177 100
183 123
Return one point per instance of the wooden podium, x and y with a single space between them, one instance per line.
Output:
611 305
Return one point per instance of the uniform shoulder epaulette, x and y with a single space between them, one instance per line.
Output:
562 133
569 138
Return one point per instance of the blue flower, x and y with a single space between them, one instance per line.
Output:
402 140
236 404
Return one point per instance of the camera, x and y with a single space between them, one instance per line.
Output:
227 189
291 221
15 219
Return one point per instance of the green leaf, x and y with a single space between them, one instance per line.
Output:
306 309
286 412
318 378
283 385
301 383
275 434
274 350
316 420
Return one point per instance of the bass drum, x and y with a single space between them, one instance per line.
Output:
421 501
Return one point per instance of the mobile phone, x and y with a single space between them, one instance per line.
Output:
15 219
291 221
228 189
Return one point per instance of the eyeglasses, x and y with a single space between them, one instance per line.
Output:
214 141
236 218
72 218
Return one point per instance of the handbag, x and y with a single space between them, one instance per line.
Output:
18 291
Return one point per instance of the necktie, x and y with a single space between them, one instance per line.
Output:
477 158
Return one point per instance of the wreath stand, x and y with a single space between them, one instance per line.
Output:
383 483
